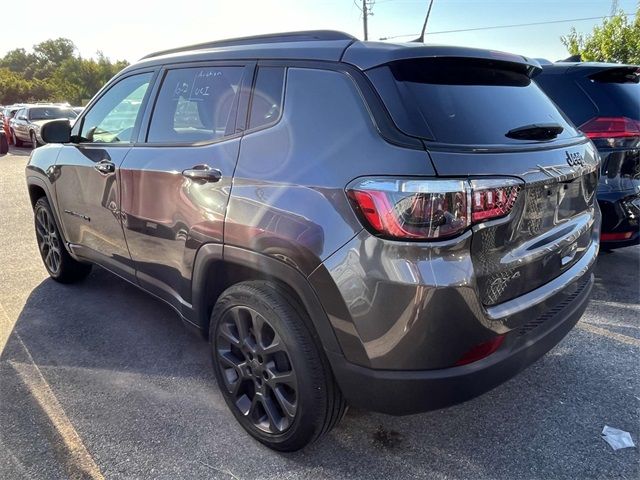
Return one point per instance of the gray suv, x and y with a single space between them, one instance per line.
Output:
391 226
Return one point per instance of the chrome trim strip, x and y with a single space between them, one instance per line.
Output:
547 290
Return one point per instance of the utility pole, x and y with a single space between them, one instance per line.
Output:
365 13
614 7
366 9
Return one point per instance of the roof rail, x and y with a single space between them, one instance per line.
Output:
303 36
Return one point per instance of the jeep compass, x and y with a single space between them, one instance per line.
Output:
397 227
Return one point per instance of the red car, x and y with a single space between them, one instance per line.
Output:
7 115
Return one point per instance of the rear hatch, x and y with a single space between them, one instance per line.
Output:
615 129
533 176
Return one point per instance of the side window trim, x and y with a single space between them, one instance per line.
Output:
242 119
77 127
266 64
247 75
149 106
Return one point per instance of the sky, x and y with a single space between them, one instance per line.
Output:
129 29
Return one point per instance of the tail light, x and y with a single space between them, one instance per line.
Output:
411 209
613 131
492 198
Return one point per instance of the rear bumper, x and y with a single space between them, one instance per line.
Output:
409 392
620 222
619 197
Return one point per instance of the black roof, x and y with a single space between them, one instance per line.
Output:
321 45
287 37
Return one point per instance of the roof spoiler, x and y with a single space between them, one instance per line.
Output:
363 56
572 59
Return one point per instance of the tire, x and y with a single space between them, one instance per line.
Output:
34 139
59 264
16 141
277 382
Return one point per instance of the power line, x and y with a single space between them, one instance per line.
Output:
526 24
508 26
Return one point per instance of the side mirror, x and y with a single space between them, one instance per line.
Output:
22 117
56 131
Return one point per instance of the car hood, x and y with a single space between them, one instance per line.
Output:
39 123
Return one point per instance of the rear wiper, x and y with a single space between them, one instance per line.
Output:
536 131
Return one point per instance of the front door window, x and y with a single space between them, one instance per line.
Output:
113 117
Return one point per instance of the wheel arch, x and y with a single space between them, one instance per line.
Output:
217 268
38 189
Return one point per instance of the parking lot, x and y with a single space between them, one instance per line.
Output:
99 380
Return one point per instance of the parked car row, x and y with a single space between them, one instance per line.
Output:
278 203
21 123
603 99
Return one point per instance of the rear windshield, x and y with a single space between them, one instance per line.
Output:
615 91
465 101
46 113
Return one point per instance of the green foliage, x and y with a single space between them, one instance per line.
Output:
53 72
616 40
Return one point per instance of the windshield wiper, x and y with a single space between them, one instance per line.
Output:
536 131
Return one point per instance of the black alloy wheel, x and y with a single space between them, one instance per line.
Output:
59 264
257 369
271 370
48 241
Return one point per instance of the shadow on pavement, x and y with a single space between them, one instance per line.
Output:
139 390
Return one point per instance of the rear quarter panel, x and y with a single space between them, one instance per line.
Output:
288 197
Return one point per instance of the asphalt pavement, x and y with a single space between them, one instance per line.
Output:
99 380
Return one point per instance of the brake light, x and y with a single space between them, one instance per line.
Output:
492 198
611 127
411 209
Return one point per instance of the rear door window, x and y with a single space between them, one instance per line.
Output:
464 101
196 105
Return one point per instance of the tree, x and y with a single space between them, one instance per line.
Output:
55 51
14 88
53 72
616 40
19 61
50 54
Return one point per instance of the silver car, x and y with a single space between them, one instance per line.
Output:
25 125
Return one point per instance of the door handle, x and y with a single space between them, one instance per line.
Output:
203 173
105 166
